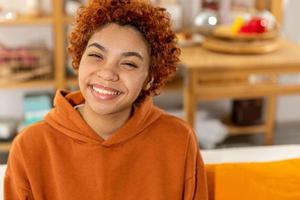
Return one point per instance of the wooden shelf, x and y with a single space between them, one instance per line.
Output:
68 19
45 20
29 84
240 130
243 130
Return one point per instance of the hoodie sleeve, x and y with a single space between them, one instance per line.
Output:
16 184
195 186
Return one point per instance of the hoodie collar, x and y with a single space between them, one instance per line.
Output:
68 121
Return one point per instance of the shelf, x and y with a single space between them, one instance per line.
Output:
5 146
68 19
243 130
29 84
45 20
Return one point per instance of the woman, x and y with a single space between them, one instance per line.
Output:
108 141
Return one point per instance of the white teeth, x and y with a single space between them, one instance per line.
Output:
105 92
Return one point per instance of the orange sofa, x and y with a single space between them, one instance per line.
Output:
255 173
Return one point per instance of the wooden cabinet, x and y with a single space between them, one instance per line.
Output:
28 21
58 22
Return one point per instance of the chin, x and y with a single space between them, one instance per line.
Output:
109 109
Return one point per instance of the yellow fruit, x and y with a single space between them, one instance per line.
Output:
238 22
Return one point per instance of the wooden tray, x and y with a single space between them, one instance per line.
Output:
226 33
241 47
24 76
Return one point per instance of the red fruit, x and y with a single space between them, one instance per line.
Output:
246 29
259 24
255 25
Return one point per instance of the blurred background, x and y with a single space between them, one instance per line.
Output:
34 63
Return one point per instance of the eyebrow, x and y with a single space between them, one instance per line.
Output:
132 53
98 46
125 54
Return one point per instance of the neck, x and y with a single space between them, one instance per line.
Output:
104 125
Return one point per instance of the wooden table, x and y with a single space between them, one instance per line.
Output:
212 76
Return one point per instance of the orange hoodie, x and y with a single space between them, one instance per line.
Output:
153 156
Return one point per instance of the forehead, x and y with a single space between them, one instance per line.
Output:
121 36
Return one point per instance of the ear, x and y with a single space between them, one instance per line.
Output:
148 84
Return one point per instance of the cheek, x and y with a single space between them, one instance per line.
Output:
136 84
85 68
83 75
81 72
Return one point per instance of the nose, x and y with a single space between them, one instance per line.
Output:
107 74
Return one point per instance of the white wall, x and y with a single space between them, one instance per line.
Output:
288 108
291 25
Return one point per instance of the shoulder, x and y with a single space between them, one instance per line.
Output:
175 135
174 127
31 137
174 122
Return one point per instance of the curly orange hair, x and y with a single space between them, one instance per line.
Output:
152 21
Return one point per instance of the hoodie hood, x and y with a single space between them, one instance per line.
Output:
67 120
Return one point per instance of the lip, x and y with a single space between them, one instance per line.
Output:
104 93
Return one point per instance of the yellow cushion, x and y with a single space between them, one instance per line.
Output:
277 180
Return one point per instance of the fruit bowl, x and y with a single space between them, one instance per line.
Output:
226 33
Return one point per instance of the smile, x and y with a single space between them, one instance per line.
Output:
104 93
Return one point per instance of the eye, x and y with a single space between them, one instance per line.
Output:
130 65
95 55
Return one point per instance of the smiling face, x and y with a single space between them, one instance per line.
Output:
113 69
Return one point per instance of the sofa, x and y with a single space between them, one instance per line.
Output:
253 173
